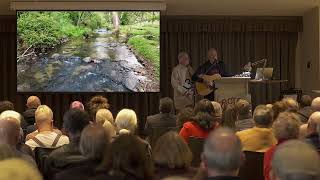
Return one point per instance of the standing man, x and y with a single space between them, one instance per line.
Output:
211 67
181 82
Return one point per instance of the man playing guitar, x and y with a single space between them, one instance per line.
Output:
212 67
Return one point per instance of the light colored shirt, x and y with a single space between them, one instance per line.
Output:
47 139
181 81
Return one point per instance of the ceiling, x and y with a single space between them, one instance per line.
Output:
223 7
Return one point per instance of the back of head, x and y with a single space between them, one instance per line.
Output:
243 108
229 116
313 122
291 104
305 101
205 106
223 151
74 120
6 105
33 102
277 108
110 129
43 115
296 160
126 159
316 104
262 116
126 120
103 115
94 141
77 105
217 108
286 126
166 105
96 103
18 169
184 116
9 131
205 120
13 115
172 151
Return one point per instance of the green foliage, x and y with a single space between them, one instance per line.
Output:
147 49
124 18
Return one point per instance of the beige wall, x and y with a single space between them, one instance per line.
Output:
308 51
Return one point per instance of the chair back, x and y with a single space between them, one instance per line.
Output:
157 132
252 167
41 155
196 147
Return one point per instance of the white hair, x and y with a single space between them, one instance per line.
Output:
11 114
126 120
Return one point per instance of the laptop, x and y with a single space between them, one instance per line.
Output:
264 74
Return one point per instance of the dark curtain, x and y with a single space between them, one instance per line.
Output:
238 40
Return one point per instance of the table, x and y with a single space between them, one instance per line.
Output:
268 86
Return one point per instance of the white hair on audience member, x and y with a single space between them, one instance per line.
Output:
11 114
126 121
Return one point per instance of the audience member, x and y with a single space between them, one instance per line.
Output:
126 123
18 169
285 127
10 135
202 123
77 105
184 116
46 137
172 156
229 117
32 104
68 155
315 105
125 162
305 110
222 155
96 103
259 138
6 105
111 130
295 160
277 108
218 110
244 117
94 143
291 104
104 115
164 119
312 134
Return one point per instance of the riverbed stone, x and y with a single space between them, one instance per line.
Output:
87 59
55 56
131 81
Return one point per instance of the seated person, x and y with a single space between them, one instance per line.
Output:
32 104
285 127
259 138
295 160
164 119
312 134
93 144
244 117
74 121
305 110
202 123
46 137
172 156
104 115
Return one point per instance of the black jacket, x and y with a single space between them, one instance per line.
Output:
206 67
161 120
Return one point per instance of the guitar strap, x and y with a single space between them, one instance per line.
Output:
211 67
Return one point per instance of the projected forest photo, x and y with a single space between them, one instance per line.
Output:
88 51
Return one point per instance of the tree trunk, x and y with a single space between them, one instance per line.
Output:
116 22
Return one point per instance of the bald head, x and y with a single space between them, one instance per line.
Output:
316 104
313 122
222 151
295 160
9 131
33 102
12 115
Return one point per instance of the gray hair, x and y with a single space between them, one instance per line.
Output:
223 150
93 141
315 104
286 126
262 116
296 160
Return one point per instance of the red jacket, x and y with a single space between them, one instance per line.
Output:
268 158
193 129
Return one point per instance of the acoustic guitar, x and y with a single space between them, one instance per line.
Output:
202 88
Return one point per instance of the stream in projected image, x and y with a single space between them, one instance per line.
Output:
100 63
